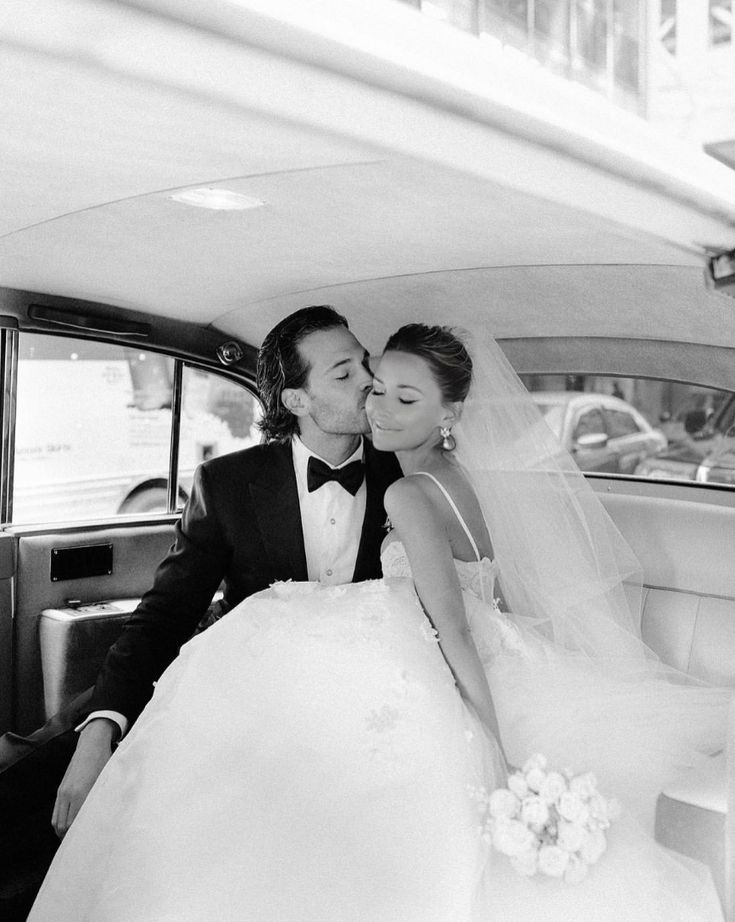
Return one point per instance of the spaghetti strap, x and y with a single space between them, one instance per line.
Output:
456 512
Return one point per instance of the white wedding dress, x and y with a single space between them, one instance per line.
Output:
309 759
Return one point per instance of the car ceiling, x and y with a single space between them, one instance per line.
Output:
401 179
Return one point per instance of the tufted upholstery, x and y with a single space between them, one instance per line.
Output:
688 618
695 633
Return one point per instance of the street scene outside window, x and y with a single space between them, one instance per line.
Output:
662 430
94 426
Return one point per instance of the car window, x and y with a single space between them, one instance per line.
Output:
554 417
218 416
692 434
590 422
94 423
620 423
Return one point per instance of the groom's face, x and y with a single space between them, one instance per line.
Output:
337 384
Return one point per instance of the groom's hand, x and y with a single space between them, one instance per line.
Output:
94 748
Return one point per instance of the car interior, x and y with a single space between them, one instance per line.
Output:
182 176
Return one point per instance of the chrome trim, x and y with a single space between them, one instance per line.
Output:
173 460
8 408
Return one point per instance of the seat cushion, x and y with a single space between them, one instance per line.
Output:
691 817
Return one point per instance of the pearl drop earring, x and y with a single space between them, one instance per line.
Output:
448 442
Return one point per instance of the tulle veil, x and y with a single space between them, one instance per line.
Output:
591 693
566 572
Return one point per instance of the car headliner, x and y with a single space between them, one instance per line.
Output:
407 170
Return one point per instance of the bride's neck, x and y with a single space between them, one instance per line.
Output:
426 458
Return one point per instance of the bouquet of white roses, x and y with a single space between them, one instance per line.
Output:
548 822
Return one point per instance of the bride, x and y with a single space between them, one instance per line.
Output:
313 755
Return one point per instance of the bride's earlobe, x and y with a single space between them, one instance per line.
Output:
452 415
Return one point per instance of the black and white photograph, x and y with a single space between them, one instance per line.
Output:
367 461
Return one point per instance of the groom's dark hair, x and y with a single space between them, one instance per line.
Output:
280 365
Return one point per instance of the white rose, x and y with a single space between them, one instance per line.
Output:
517 784
503 804
512 838
572 808
534 811
535 778
553 787
536 761
584 786
599 813
526 863
576 870
593 846
570 836
552 860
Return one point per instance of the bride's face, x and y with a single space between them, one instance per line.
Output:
405 407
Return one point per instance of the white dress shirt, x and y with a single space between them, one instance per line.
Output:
331 521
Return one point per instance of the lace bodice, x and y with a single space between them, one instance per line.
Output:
491 628
475 576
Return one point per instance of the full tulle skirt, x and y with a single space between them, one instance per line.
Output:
309 758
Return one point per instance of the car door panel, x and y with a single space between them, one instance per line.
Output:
7 571
136 550
629 450
591 421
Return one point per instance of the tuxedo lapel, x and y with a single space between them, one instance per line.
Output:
381 469
276 506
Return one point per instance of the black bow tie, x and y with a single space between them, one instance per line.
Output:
318 473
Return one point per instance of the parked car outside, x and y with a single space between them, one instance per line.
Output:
705 454
601 432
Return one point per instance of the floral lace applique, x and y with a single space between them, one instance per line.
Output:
394 560
287 588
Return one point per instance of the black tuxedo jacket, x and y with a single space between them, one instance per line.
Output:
241 525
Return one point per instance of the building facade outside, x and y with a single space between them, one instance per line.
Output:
670 61
690 72
598 43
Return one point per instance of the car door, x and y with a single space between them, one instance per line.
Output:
591 454
101 440
628 439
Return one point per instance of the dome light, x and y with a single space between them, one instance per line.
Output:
216 199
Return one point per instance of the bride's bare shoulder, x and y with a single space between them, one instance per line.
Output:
407 501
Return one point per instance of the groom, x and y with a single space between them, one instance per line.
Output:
308 504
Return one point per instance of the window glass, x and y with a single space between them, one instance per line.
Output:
93 428
688 432
591 27
591 422
554 416
93 424
625 33
620 423
667 26
460 13
217 416
720 22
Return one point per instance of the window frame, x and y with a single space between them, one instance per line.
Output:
586 411
611 412
9 358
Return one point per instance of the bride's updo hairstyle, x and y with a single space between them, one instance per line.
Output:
443 351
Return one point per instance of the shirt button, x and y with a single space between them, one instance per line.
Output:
333 521
329 572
